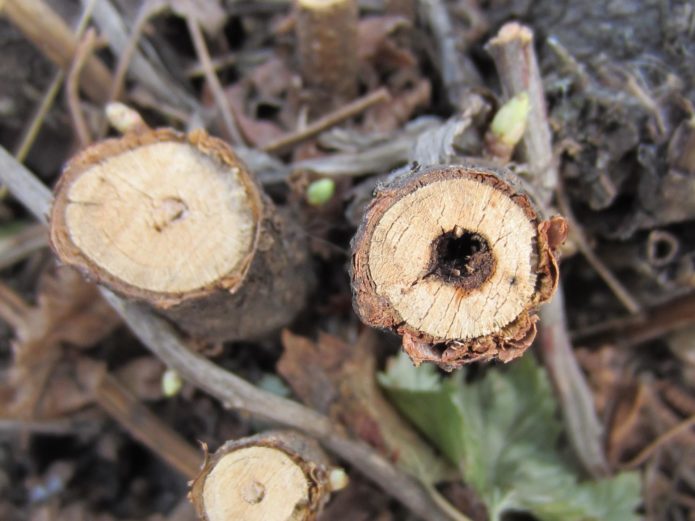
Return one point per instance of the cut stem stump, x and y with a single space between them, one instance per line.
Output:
456 260
327 43
279 476
178 222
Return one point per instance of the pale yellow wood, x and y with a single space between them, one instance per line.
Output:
322 4
401 249
256 484
162 217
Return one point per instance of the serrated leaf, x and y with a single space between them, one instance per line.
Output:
503 432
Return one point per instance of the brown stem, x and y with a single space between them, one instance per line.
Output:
515 59
48 98
655 322
146 427
455 259
83 52
327 43
165 342
583 426
655 445
148 216
274 476
577 233
457 70
213 81
51 35
329 120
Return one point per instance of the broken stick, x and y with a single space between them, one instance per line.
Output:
456 259
178 222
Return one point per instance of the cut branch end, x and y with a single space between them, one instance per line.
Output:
456 260
278 476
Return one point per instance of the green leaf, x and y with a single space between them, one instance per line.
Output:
503 432
428 400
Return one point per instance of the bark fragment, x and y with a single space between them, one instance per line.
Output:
178 222
456 260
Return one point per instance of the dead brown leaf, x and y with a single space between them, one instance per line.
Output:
256 131
390 116
68 311
339 379
378 46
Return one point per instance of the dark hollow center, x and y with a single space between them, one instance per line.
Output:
462 258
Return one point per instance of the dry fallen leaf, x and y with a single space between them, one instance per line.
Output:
339 379
68 311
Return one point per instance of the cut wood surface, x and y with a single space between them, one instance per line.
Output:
277 476
455 259
177 221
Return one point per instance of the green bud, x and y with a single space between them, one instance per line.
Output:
509 123
338 479
171 383
320 192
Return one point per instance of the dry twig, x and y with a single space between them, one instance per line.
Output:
83 52
213 81
47 31
329 120
664 438
147 428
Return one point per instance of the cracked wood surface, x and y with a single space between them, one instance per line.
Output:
465 301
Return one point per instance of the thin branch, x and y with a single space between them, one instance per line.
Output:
457 70
44 107
148 9
329 120
654 323
655 445
620 291
516 63
149 72
72 86
165 342
22 244
52 36
213 81
583 425
147 428
517 66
